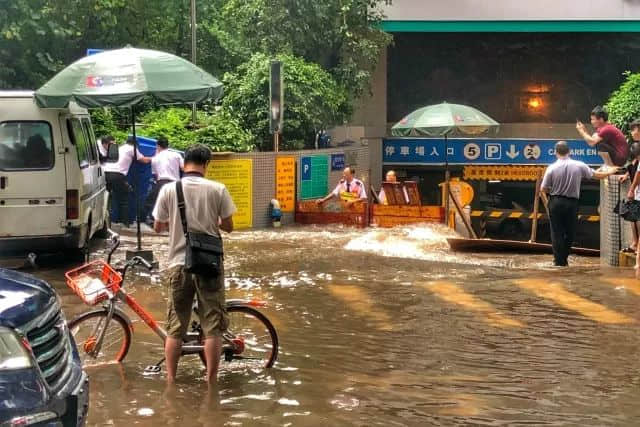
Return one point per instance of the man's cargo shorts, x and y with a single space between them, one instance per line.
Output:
182 289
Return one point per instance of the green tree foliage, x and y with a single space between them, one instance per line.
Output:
312 99
624 103
331 48
339 35
220 131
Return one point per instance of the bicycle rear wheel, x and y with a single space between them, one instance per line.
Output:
115 344
250 341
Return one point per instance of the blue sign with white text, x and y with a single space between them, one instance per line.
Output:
337 162
306 168
466 151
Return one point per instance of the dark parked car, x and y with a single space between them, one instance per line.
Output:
41 376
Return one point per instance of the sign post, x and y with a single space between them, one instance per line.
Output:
276 102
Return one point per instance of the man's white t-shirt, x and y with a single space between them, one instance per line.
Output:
166 165
125 158
205 203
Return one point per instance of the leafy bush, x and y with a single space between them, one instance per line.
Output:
105 123
220 130
624 103
224 133
312 100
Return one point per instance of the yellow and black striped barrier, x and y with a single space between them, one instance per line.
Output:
497 214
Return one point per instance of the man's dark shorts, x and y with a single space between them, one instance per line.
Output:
182 289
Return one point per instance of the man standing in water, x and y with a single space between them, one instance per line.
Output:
562 182
611 143
209 209
349 189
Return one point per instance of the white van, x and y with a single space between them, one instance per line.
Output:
52 189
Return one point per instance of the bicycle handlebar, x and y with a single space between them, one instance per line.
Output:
115 240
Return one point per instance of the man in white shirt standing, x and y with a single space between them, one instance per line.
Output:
208 209
166 166
116 177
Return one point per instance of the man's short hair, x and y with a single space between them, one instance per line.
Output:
197 154
107 139
162 142
562 148
634 124
131 139
600 113
351 169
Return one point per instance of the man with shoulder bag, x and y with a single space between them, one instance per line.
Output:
194 210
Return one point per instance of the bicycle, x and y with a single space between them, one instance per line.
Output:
105 334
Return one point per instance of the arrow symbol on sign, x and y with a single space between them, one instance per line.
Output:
512 153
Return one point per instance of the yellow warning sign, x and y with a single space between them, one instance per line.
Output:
286 183
505 173
237 176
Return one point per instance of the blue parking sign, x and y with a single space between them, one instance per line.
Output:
306 168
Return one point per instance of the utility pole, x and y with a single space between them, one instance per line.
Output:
193 52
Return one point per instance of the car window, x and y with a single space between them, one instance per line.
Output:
93 155
26 145
79 139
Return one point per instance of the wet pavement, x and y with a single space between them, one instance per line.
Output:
388 327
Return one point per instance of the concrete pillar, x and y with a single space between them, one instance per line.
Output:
614 231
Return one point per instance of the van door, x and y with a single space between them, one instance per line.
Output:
32 180
97 196
80 173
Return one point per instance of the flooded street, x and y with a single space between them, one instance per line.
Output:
390 328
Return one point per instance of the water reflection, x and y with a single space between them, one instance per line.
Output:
389 327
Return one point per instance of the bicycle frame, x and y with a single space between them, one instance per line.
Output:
187 348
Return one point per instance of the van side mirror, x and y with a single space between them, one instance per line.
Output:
112 153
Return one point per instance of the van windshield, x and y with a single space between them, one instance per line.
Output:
26 145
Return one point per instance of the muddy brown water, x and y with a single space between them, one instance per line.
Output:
390 328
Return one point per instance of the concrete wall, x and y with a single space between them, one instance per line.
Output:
511 10
264 176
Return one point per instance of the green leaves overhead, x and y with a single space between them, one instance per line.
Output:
330 49
624 103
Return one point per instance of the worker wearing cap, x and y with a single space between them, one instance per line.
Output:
349 189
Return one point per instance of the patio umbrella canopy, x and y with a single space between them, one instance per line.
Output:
123 78
445 120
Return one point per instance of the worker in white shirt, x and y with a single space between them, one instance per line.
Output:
103 147
166 166
349 189
116 177
391 177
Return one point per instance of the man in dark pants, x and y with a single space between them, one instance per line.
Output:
116 177
562 182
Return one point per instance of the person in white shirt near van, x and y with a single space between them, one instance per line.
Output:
116 176
166 166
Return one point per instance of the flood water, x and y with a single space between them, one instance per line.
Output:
390 328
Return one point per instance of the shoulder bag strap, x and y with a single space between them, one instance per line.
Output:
182 208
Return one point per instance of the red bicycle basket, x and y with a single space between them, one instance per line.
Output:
94 282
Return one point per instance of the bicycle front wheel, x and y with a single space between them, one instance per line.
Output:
86 330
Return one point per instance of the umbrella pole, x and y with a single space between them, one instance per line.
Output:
135 178
447 178
143 253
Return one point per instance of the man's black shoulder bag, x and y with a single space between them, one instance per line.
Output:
204 254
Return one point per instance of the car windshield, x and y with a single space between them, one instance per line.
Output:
25 146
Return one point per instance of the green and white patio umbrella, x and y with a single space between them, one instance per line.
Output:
123 78
445 120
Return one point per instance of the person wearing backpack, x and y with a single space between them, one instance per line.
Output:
191 209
